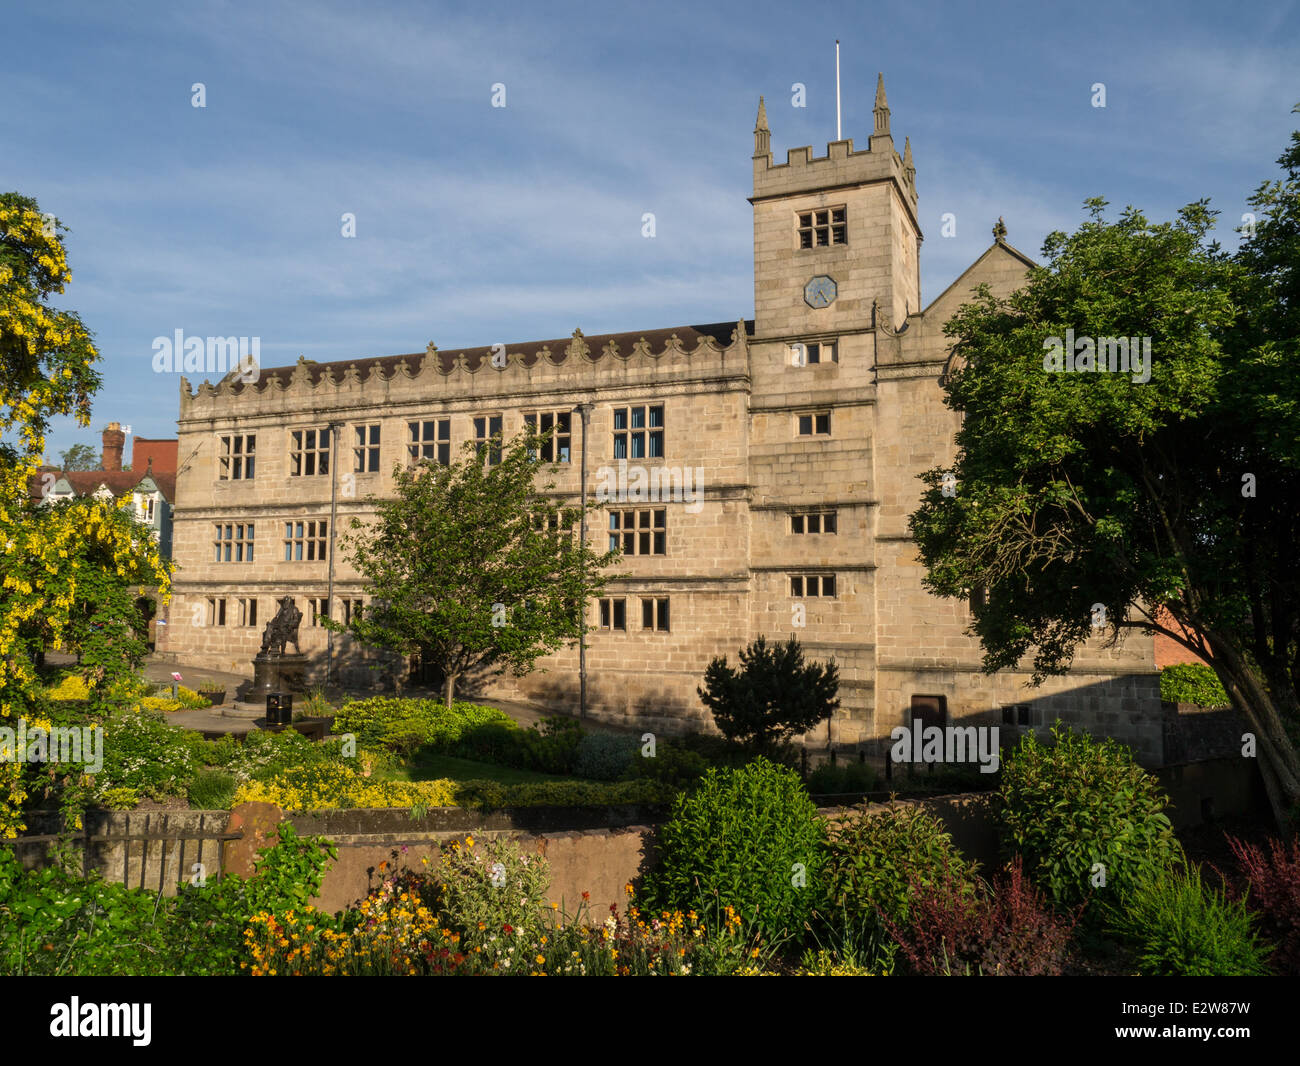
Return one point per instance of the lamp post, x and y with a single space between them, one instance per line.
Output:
585 410
329 602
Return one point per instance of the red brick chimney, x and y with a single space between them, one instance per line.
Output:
114 440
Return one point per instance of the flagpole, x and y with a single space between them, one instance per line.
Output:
839 133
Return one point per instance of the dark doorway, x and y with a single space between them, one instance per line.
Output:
931 710
426 674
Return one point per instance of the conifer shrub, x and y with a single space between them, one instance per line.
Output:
1179 927
605 756
212 790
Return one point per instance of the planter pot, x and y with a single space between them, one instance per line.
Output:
217 698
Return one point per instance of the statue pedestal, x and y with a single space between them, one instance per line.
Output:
277 673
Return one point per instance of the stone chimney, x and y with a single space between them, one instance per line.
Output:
114 440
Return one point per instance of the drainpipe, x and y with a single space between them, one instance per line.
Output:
585 410
329 602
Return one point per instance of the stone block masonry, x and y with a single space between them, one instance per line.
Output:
806 427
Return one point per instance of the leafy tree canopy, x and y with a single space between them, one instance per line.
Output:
65 570
473 565
1079 490
79 457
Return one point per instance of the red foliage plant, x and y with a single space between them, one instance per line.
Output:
1274 895
958 927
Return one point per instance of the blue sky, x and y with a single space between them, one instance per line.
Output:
477 224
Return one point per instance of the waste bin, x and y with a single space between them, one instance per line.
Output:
279 708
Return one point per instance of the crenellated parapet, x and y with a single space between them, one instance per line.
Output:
652 358
841 165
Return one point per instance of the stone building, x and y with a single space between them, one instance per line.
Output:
782 453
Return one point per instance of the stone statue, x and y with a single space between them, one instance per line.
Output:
282 629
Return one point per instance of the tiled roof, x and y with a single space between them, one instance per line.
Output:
162 452
119 482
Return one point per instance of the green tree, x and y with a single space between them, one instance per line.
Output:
79 457
104 626
774 695
1078 491
474 566
47 555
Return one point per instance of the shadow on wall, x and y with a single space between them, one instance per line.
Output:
614 704
380 671
1126 708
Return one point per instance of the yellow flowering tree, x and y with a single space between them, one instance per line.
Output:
63 570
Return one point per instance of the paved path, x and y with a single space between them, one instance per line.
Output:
159 672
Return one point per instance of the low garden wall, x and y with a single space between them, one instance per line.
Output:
599 861
592 850
1230 787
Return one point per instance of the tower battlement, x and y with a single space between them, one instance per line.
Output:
835 236
841 166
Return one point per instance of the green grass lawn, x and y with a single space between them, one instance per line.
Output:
428 767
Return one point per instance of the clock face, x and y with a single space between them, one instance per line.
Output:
819 292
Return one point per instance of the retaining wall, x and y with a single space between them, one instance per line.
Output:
592 850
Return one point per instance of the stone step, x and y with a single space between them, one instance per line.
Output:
240 709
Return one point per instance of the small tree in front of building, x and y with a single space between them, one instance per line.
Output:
472 566
774 696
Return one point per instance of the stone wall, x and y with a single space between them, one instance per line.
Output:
1194 734
732 398
597 851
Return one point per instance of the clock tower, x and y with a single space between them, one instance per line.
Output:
836 243
834 235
